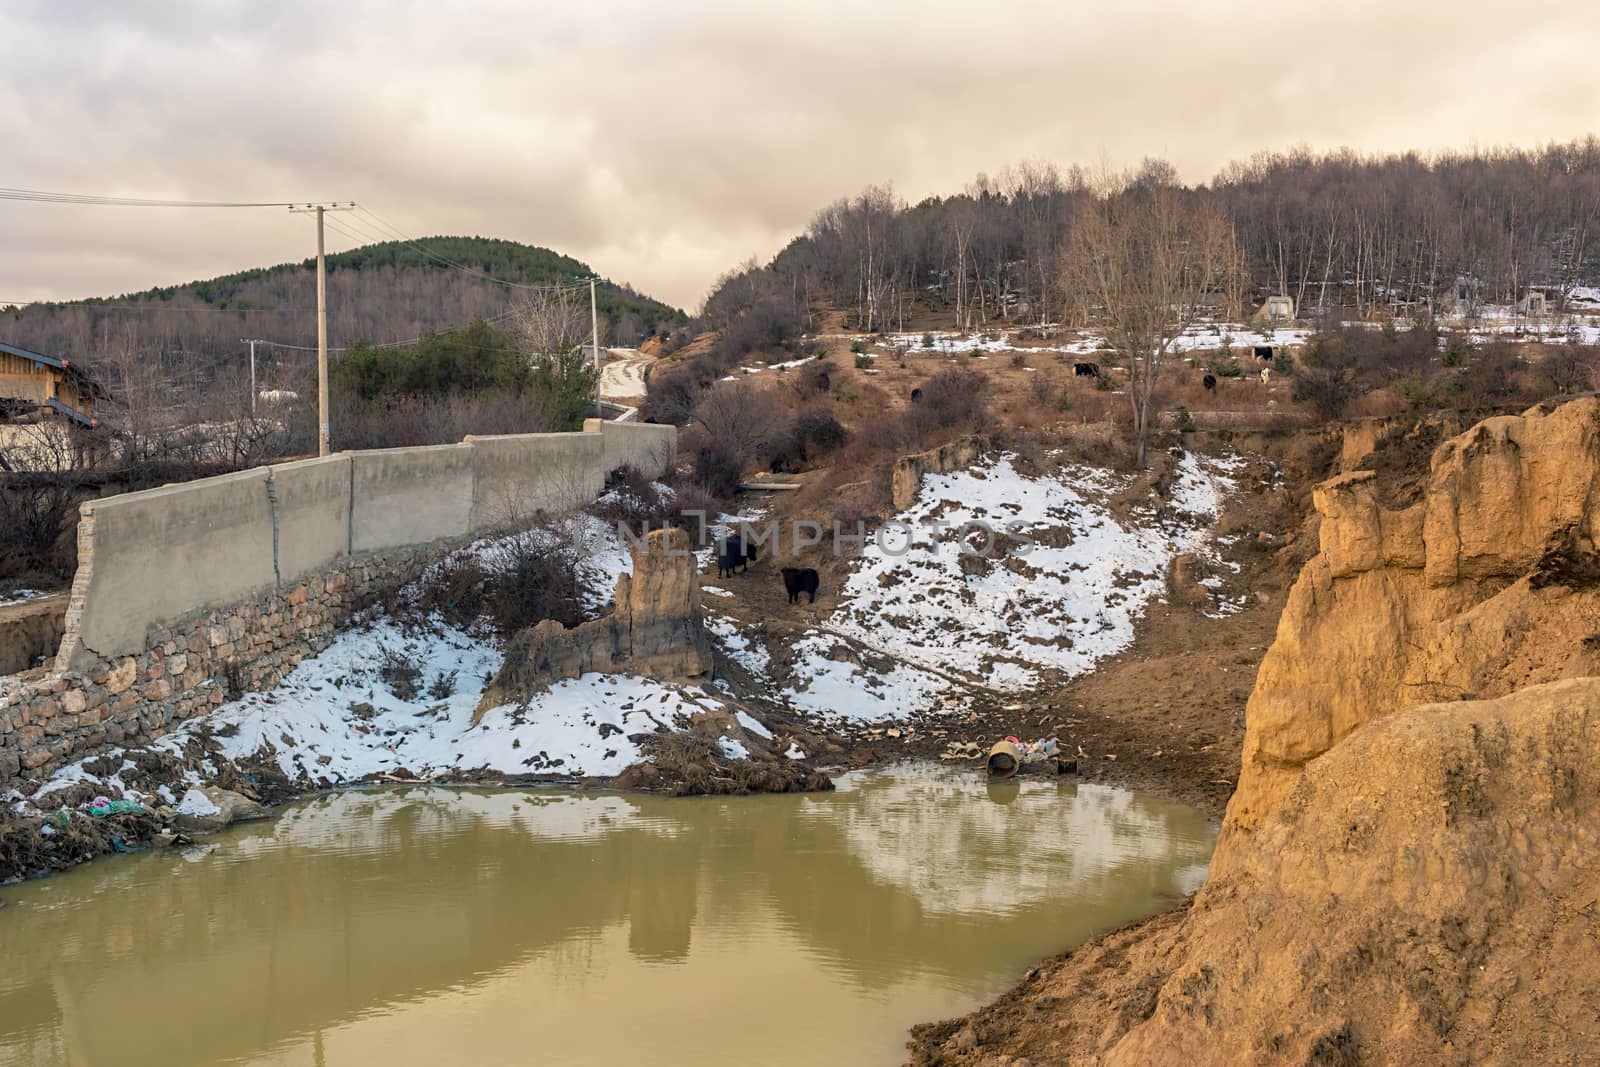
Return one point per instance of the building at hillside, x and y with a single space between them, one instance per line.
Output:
1275 309
33 383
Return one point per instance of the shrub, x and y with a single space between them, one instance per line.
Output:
1102 383
718 468
927 340
1226 366
454 589
858 346
815 377
864 361
401 674
1182 419
954 398
443 686
974 352
1041 387
535 577
1019 361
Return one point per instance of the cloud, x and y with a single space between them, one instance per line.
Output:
663 143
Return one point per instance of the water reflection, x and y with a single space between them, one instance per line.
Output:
429 923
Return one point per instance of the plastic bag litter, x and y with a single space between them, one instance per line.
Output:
114 807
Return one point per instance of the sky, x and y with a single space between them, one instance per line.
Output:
664 143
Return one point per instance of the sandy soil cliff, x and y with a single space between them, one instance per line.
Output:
1410 867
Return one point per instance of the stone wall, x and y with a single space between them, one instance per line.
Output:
190 593
49 717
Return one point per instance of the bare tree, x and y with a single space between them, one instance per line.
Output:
549 322
1145 257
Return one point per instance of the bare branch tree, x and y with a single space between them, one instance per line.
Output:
1145 256
550 322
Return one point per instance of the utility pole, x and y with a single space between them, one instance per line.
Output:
252 342
594 324
324 433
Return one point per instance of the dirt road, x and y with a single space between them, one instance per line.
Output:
622 377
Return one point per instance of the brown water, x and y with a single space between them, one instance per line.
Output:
437 926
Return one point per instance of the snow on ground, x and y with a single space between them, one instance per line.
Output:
747 652
1065 597
835 689
335 717
602 553
20 596
1084 343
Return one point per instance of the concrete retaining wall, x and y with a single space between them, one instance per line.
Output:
648 447
162 553
517 477
408 496
311 506
190 592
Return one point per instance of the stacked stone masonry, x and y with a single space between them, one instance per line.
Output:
136 659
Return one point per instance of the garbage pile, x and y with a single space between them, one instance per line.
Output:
1008 757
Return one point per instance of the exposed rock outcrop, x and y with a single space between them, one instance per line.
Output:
1409 871
1488 584
908 470
657 630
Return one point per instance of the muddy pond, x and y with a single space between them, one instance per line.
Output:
428 925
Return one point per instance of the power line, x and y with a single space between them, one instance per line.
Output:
88 199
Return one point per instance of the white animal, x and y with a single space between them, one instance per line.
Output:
1266 375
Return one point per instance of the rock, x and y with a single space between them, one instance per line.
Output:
1479 588
1447 893
906 477
657 629
1183 582
210 808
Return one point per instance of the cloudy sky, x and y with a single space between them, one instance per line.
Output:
664 142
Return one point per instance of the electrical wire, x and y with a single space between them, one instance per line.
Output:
87 199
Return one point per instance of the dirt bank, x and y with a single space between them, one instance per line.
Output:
1398 882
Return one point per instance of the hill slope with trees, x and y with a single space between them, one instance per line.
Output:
376 294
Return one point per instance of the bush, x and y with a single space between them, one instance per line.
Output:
401 674
927 340
858 346
717 468
864 361
955 398
1226 366
1019 361
1182 420
535 577
454 589
815 377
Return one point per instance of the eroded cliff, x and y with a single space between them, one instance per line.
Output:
1410 866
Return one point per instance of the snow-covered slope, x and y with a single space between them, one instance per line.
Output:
921 606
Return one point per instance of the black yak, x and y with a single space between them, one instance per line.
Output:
799 580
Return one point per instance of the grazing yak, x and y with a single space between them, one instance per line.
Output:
1086 370
734 553
1210 382
1264 353
916 396
799 580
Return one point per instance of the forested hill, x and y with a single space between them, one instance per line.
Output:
376 293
